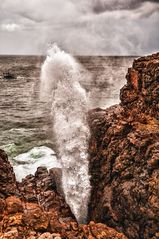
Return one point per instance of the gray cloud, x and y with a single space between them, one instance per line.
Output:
101 6
111 5
83 27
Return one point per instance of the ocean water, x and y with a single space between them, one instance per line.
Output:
25 119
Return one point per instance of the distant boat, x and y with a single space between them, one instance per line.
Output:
8 76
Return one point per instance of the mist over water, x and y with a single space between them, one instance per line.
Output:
60 83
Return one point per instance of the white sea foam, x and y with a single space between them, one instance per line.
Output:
27 163
60 78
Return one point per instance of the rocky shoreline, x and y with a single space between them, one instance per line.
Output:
33 209
124 155
124 169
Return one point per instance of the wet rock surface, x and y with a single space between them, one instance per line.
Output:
7 178
124 155
33 209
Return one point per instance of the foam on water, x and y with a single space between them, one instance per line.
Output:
60 78
27 163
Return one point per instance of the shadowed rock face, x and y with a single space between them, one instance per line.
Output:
140 97
124 155
7 178
33 209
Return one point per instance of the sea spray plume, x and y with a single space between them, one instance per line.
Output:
61 75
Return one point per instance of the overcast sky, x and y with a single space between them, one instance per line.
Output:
81 27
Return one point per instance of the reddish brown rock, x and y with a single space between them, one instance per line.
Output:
34 223
124 155
99 231
2 207
34 217
42 189
141 94
39 212
13 205
7 178
46 235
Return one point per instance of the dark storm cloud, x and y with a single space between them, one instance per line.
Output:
98 27
102 6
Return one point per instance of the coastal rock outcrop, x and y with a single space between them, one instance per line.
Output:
33 209
7 178
124 155
124 168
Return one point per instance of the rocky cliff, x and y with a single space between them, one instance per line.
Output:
34 209
124 155
124 168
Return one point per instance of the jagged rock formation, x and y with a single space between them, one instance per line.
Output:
7 178
124 155
33 209
124 165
